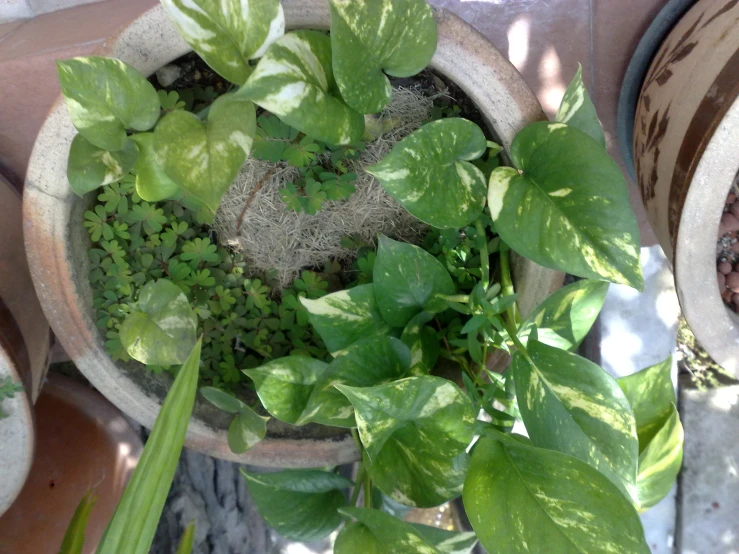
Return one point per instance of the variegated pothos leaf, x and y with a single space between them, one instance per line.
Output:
415 432
204 157
397 36
247 429
422 341
228 33
430 173
566 206
105 97
571 405
152 183
577 109
376 532
294 80
90 167
521 499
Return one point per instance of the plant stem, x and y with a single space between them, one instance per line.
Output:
507 285
367 488
484 256
357 485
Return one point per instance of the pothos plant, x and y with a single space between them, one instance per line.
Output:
598 450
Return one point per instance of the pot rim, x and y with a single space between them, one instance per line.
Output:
463 55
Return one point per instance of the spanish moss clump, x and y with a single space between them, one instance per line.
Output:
254 220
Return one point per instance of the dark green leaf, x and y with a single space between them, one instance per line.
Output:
447 542
422 341
376 532
222 400
90 167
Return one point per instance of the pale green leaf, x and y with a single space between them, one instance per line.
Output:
367 38
105 97
136 518
344 317
74 538
222 400
185 546
152 183
300 505
161 330
365 363
294 81
422 341
565 317
577 109
228 33
660 462
204 157
447 542
247 429
376 532
285 385
571 405
406 278
651 394
566 205
430 174
524 500
415 432
90 167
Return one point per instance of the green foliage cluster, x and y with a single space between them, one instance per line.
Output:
137 242
8 388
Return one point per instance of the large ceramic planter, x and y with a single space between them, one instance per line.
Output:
24 348
57 242
686 147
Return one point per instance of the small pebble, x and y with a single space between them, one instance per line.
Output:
735 247
731 198
734 209
726 296
735 299
732 281
729 224
721 278
724 267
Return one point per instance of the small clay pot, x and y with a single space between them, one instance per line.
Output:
83 443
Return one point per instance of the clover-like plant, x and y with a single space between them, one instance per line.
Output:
598 450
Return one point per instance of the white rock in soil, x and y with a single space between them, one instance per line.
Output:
168 75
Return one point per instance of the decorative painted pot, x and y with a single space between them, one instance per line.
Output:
57 243
686 145
24 349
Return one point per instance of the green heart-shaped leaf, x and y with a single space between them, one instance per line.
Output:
205 157
365 363
376 532
90 167
571 405
285 385
246 430
152 183
300 505
565 317
568 206
406 278
660 462
397 36
421 341
105 97
430 174
522 499
294 81
577 109
415 432
342 318
162 329
651 394
228 35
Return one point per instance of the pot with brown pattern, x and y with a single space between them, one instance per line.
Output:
686 149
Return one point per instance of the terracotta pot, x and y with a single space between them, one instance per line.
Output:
24 348
83 442
57 242
685 144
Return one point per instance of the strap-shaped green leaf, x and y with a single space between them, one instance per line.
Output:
152 182
577 109
204 157
300 505
344 317
162 329
74 538
228 33
294 81
565 317
422 341
415 432
185 546
430 173
566 206
651 394
571 405
522 499
285 385
406 278
135 521
90 167
365 363
105 97
376 532
660 462
397 36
